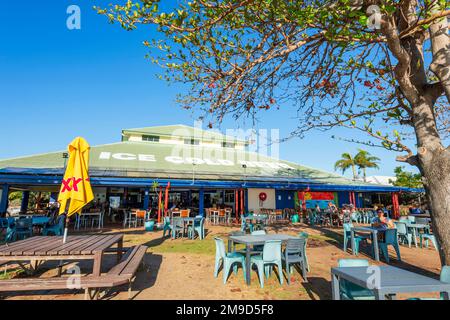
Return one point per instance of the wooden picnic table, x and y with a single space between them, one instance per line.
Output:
47 248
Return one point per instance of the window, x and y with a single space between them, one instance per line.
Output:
228 144
192 141
150 138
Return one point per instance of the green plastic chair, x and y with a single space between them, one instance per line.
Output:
403 233
390 238
270 256
348 236
198 227
228 260
350 291
305 235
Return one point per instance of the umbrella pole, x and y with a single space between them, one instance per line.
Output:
66 229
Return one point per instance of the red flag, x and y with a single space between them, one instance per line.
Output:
159 204
166 199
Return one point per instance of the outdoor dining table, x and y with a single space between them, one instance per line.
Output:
48 248
415 227
250 241
386 281
89 214
374 233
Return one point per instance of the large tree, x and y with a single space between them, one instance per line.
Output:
381 67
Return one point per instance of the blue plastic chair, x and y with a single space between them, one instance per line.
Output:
350 291
348 236
390 238
57 229
294 253
24 228
270 256
198 227
228 260
403 233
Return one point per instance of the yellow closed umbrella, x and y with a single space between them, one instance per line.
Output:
76 186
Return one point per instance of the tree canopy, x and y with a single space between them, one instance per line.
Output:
333 61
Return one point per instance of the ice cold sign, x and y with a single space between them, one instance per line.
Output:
192 160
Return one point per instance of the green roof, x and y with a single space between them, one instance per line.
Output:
157 160
183 131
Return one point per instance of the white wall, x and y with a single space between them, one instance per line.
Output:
253 199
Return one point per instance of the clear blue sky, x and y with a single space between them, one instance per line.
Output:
49 74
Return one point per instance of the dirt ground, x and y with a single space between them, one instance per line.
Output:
183 269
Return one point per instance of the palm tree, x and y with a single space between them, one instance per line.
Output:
365 160
346 161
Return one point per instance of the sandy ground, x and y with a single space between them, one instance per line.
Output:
183 269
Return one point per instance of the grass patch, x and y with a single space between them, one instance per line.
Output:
205 246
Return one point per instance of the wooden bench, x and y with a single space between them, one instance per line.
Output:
122 273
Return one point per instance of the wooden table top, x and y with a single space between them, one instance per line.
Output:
54 246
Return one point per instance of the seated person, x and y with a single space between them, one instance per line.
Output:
382 222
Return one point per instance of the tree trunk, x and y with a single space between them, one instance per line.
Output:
436 172
354 172
440 46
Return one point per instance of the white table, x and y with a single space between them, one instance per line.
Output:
415 227
374 232
98 215
386 281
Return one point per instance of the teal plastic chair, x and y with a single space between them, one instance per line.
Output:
305 236
270 256
228 260
348 236
167 227
311 218
428 236
403 233
390 238
259 233
177 227
57 229
293 254
349 290
198 227
23 228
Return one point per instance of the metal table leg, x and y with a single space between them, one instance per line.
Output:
247 262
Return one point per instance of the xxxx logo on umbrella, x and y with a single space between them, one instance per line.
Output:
71 184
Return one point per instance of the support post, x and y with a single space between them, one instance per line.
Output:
4 199
25 201
146 198
201 202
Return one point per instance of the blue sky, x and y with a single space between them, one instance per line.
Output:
49 75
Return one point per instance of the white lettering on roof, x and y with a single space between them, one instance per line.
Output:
192 160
